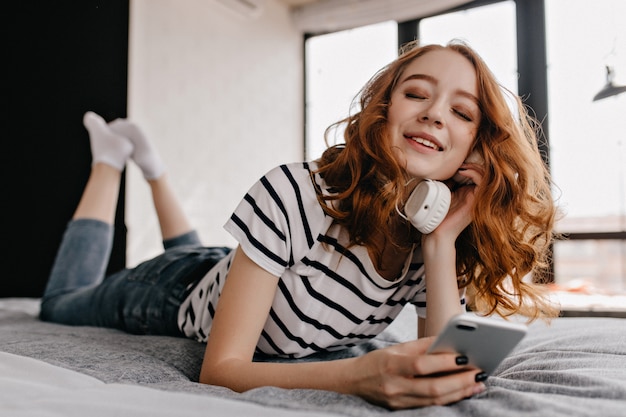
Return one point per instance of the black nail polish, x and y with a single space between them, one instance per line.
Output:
461 360
481 377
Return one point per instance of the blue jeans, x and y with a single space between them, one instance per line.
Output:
140 300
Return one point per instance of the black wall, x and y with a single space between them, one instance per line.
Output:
63 58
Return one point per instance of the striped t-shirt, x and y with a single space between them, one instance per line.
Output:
329 295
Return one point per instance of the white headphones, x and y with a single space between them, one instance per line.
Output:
427 205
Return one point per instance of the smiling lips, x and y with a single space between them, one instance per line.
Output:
429 143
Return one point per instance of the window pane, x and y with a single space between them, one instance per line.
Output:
591 266
587 138
337 67
490 30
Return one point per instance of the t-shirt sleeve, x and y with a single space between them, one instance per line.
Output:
273 219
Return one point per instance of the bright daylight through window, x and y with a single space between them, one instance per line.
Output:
588 140
587 137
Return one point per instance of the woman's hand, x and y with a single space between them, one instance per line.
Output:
439 251
404 376
459 215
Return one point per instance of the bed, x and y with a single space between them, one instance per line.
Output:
574 367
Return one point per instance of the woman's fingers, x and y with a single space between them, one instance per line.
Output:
436 390
459 215
407 377
419 364
470 173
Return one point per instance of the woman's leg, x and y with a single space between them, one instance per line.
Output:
86 245
84 252
110 152
144 299
172 219
175 227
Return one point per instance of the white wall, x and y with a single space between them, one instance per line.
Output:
221 95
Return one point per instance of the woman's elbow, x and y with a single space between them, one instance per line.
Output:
214 374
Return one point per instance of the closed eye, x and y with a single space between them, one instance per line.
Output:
462 115
415 96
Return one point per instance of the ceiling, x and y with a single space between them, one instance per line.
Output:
321 16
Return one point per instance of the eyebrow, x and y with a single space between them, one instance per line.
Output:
433 80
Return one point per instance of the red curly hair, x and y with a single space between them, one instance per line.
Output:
514 212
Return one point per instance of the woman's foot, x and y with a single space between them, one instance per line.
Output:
106 146
144 153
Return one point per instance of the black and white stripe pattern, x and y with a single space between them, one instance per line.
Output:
329 295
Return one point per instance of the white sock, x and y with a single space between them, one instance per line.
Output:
144 153
106 146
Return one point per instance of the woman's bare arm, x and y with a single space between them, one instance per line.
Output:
442 295
442 292
398 377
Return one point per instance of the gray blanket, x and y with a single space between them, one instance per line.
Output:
574 367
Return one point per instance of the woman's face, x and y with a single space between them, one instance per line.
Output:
434 114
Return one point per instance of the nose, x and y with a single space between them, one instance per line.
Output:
432 114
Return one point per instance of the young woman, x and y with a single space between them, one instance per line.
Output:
326 259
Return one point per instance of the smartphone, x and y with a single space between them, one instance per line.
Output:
485 341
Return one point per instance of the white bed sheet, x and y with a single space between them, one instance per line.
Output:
33 388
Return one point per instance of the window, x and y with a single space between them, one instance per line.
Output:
588 142
337 66
587 138
490 30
